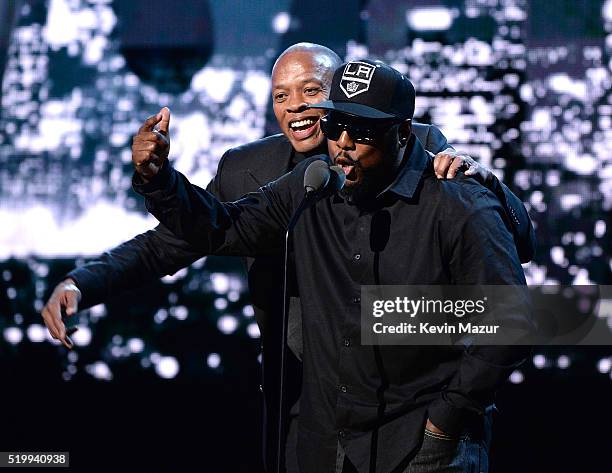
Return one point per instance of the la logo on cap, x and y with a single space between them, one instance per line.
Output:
356 78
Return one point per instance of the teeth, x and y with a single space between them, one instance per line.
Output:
301 123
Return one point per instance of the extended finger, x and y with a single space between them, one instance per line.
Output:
51 315
71 302
164 123
49 323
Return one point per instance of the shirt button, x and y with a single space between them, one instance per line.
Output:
357 257
342 388
347 342
356 300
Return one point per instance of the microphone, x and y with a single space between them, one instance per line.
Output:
316 176
319 176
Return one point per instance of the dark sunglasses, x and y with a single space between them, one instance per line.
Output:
360 130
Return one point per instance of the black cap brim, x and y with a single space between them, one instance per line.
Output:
355 109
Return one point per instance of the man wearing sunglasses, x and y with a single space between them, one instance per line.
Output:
301 76
392 223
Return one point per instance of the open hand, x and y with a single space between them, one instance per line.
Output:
65 296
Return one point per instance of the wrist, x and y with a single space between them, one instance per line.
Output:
159 181
432 428
70 285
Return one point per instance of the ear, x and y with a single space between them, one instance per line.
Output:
404 131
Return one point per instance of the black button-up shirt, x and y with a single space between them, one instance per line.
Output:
421 230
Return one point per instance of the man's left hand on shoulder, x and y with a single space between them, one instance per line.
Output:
448 162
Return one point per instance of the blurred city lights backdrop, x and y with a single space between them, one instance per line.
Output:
524 89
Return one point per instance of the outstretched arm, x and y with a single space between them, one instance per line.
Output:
143 259
251 226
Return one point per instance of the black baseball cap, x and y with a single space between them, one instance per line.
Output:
370 89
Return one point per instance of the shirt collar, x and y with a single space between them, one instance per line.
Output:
411 171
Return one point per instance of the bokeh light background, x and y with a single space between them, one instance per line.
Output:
523 86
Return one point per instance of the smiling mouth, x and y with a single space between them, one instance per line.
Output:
303 128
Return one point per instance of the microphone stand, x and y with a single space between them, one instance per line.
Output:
316 178
308 198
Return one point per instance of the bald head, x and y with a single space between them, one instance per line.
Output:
327 61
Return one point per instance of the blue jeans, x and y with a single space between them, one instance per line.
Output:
443 454
438 455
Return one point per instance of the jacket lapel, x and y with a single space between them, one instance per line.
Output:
273 166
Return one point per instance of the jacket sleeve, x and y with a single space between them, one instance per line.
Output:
523 232
143 259
251 226
481 253
522 228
